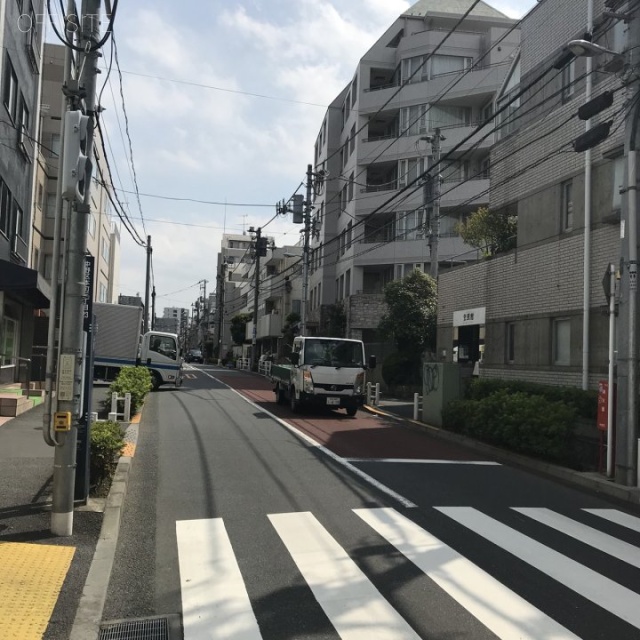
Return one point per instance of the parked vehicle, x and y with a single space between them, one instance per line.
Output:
194 355
119 342
328 372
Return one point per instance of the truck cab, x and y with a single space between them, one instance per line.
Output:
159 352
327 372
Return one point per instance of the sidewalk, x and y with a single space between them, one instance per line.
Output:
402 410
41 575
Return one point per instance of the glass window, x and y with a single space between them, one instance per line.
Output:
164 345
92 225
5 209
48 263
449 64
333 353
562 342
51 205
567 205
10 88
568 80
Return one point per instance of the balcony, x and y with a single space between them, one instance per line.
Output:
474 192
269 326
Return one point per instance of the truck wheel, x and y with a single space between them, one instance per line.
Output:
351 411
294 403
156 381
280 399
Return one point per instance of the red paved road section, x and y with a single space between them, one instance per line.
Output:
363 436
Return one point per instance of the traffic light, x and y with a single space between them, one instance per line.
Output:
76 166
296 207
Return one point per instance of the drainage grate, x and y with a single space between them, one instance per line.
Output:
158 628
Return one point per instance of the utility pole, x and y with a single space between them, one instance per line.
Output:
69 388
308 205
221 283
256 294
626 463
147 284
153 308
434 221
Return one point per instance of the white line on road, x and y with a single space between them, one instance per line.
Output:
353 605
311 442
425 461
604 592
617 517
215 602
501 610
594 538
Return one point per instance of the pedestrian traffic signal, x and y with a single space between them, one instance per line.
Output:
76 166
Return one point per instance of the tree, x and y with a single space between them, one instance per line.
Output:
410 320
491 232
290 330
336 321
239 327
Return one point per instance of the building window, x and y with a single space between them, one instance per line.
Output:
48 263
618 182
36 259
568 80
40 200
350 187
92 226
5 209
10 88
567 205
102 295
104 251
511 342
18 220
562 342
354 91
352 139
51 205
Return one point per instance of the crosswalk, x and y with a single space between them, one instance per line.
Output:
217 606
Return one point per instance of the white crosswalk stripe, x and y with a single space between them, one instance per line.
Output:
498 608
354 606
605 543
604 592
216 605
618 517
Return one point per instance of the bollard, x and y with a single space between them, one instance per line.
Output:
369 393
416 403
127 407
114 404
93 417
113 416
377 400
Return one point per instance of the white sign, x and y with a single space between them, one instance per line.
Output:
65 377
468 317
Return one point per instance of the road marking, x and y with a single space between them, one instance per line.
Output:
604 592
31 579
353 605
608 544
618 517
501 610
215 602
334 456
425 461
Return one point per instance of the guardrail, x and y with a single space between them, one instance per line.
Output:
373 394
243 363
264 367
114 414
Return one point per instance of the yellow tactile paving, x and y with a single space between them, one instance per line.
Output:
129 449
31 577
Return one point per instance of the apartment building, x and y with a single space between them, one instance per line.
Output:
369 216
22 291
522 314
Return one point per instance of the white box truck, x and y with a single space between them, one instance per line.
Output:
119 342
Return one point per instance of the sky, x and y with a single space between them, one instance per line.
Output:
224 101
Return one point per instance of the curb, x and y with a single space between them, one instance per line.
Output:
585 480
88 619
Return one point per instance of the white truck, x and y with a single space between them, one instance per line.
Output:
329 372
119 342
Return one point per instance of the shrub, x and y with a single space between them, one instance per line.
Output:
133 380
585 402
522 422
106 445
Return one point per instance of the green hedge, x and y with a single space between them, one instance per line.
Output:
133 380
584 402
521 422
106 445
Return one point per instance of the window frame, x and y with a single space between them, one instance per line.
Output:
558 358
567 208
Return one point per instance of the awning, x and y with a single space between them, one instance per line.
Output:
25 284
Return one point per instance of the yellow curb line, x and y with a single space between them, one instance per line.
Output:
392 415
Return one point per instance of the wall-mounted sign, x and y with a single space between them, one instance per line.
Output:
469 316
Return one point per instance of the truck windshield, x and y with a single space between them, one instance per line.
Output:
333 353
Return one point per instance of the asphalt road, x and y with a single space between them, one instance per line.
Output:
255 523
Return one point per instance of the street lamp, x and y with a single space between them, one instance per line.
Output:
626 460
586 49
